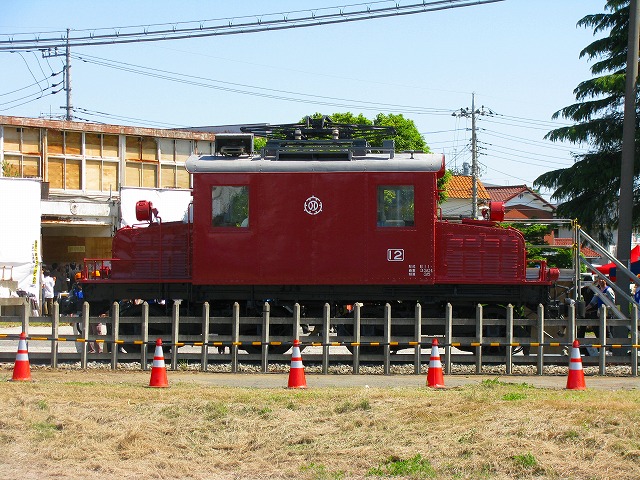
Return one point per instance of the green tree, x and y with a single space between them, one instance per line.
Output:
407 135
534 238
588 190
259 143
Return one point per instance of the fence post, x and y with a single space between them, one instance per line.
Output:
266 312
417 360
571 327
540 339
296 321
235 332
509 348
387 339
144 348
115 326
175 333
85 335
356 338
634 340
55 324
480 338
602 360
204 352
326 327
448 337
26 313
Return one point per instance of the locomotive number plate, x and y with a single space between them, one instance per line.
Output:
395 255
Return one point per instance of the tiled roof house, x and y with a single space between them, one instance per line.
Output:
520 202
459 190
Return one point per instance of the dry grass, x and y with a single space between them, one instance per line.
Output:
80 425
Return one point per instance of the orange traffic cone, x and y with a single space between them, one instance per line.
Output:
22 369
159 371
435 378
296 373
575 380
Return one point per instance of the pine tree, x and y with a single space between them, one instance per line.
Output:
588 190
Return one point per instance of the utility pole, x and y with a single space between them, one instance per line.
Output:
473 113
68 79
625 203
67 74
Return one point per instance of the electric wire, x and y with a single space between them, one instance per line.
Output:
200 29
263 92
122 117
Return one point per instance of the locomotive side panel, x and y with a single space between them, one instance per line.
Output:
155 252
472 253
328 212
314 228
401 219
224 233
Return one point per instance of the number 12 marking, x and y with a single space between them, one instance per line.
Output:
395 255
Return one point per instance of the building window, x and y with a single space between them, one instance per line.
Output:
141 169
395 206
141 148
230 206
173 155
22 152
101 175
64 143
139 174
21 166
101 146
65 173
204 148
174 176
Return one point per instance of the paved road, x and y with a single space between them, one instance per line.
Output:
277 380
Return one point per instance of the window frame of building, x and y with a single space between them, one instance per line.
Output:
20 154
173 155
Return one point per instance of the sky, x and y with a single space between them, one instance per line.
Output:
519 58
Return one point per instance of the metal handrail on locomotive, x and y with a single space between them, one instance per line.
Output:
317 217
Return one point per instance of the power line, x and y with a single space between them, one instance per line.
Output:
31 85
198 29
528 141
264 92
122 117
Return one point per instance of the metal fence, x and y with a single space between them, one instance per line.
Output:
398 341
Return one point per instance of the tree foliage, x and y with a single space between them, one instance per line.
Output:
534 237
407 135
589 189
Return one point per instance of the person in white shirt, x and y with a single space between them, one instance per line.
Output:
48 285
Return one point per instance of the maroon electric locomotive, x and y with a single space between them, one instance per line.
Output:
314 220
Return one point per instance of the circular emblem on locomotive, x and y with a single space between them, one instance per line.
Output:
312 205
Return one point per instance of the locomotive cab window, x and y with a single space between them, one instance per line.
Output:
230 206
395 206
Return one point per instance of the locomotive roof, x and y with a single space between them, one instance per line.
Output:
399 162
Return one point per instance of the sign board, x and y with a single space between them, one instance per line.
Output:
20 249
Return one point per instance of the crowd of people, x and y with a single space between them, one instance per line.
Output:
60 283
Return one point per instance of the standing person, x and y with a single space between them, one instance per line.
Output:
597 301
48 285
592 311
